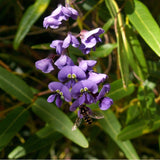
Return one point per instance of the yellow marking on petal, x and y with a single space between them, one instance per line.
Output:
82 90
85 89
73 76
69 75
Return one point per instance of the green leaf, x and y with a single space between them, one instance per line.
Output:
138 129
15 86
41 139
118 91
59 121
144 23
132 113
28 19
103 50
9 126
44 46
111 126
122 59
107 25
136 55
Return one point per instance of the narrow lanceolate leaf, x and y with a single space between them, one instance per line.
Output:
28 19
136 55
103 50
111 126
138 129
15 86
144 23
9 126
58 121
44 137
118 91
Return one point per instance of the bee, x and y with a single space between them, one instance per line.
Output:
86 114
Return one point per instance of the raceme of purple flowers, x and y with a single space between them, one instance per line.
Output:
77 83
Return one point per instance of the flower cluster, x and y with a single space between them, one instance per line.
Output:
77 83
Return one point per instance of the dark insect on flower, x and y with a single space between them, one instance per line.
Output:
86 114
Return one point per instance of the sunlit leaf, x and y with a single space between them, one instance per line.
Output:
28 19
59 121
118 91
103 50
111 126
138 129
9 126
15 86
143 21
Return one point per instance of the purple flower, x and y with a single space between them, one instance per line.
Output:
105 103
58 45
71 73
51 22
87 65
63 61
97 77
61 45
59 90
70 39
59 14
45 65
89 39
83 92
103 91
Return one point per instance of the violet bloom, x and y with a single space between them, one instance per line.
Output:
87 65
70 39
45 65
59 14
60 91
97 77
63 61
104 102
83 92
61 45
58 45
89 39
71 73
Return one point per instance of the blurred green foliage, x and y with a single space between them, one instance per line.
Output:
129 54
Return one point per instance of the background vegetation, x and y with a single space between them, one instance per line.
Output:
32 128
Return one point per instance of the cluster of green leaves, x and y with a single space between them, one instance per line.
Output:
30 127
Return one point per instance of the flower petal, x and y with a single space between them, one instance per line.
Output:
58 101
70 70
97 77
87 64
62 61
45 65
105 103
53 86
77 103
51 98
103 91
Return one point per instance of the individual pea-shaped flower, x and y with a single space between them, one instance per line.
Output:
83 91
89 39
59 14
104 102
61 45
71 74
45 65
59 91
70 39
63 61
87 65
97 77
58 45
